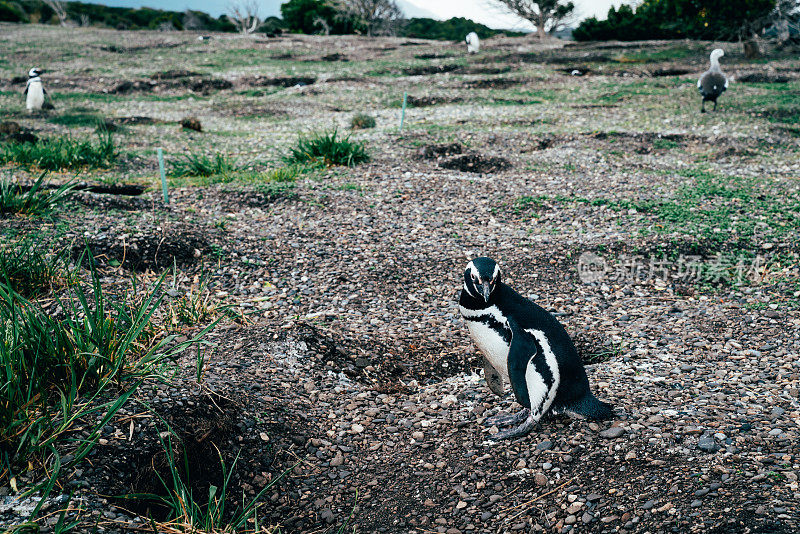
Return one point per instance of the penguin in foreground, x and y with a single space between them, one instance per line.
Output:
527 346
473 43
34 91
713 82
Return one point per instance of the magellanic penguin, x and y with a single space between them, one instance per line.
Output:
473 43
34 91
528 347
713 82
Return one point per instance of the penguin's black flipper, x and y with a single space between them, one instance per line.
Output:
522 350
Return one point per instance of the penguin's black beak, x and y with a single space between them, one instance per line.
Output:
486 290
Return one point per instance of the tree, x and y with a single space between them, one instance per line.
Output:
244 14
726 20
546 15
378 17
58 7
315 16
785 19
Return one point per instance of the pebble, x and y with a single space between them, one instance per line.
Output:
613 432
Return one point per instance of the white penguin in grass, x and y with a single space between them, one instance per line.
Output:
34 91
473 43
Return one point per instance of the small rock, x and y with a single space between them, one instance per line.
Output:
613 432
708 444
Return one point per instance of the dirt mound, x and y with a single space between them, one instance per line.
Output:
113 202
671 71
429 69
11 131
147 251
192 123
133 86
174 74
137 120
580 70
290 81
477 163
438 151
335 57
206 85
433 55
428 101
207 428
763 77
493 83
484 70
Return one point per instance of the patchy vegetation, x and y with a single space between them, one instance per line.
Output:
301 363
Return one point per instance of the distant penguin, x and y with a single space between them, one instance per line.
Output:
473 43
34 91
527 346
713 82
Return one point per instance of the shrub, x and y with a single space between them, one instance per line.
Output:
362 121
57 153
57 370
326 148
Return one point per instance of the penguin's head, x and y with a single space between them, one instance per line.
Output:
34 72
481 277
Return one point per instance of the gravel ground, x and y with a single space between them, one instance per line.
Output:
353 375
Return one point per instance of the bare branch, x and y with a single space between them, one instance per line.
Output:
379 17
244 14
546 15
58 7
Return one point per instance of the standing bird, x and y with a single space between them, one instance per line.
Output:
527 346
713 82
473 43
34 90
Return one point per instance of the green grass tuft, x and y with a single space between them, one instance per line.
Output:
328 149
362 121
201 165
57 153
27 269
33 201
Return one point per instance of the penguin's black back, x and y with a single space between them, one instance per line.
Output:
574 384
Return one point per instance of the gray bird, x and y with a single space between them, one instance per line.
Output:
713 82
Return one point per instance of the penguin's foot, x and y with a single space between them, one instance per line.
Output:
517 431
506 419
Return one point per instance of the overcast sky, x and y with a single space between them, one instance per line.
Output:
477 10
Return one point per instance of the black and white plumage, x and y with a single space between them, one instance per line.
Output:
528 347
34 91
713 82
473 43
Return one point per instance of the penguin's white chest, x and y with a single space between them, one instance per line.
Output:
483 328
35 98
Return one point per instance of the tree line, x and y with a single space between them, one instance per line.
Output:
336 17
723 20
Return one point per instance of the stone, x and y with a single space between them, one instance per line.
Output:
708 444
612 433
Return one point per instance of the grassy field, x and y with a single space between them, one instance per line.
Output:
278 349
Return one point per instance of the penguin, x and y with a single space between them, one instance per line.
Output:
528 347
473 43
713 82
34 91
